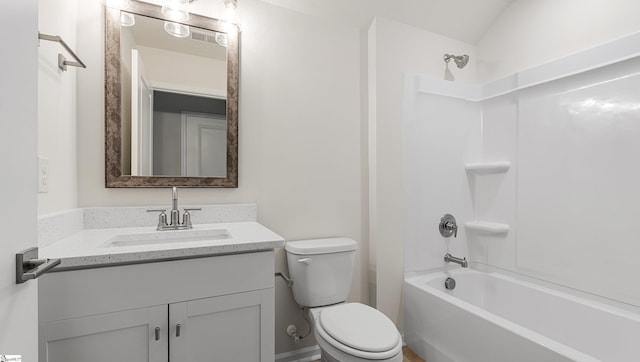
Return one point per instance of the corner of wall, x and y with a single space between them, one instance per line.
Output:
371 159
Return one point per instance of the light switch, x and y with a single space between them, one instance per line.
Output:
43 175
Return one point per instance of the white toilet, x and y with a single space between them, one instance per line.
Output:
321 270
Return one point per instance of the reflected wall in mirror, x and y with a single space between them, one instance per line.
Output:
171 102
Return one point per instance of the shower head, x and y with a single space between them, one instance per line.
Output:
461 60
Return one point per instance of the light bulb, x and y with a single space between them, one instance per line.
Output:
229 15
230 7
176 10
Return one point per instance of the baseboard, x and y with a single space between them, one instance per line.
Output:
300 355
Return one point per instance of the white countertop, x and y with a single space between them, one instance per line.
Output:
90 248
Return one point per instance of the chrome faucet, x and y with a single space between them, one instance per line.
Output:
452 259
174 223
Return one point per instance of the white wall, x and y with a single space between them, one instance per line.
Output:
57 106
533 32
299 134
18 129
395 49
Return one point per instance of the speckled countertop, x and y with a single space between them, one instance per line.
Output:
98 237
93 248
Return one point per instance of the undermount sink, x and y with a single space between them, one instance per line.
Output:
166 237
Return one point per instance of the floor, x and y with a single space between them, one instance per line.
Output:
407 356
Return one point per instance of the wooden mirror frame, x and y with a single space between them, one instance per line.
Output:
113 105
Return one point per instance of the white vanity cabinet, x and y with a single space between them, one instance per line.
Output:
227 327
217 308
118 336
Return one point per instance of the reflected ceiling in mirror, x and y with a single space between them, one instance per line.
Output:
171 100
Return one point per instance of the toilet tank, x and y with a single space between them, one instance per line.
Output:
321 270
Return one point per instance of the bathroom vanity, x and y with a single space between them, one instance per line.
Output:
196 295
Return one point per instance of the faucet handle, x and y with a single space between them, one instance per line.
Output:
186 217
162 218
448 226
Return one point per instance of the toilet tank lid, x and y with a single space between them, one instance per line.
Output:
320 246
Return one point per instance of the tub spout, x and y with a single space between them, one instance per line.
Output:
452 259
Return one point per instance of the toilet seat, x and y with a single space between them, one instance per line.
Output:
360 331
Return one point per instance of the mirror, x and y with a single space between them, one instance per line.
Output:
171 100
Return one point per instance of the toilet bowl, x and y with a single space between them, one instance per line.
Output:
321 270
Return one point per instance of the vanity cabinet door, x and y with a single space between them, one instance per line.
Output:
237 327
120 336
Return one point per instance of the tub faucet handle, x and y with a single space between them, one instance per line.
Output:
448 226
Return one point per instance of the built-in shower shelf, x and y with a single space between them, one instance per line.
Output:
487 228
487 168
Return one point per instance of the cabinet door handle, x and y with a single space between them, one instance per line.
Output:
157 333
178 327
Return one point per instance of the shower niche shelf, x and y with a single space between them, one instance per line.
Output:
487 228
487 168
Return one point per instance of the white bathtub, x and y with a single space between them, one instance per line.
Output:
491 317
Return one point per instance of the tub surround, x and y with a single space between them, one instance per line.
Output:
544 148
82 238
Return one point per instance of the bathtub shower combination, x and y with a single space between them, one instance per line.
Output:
541 171
490 317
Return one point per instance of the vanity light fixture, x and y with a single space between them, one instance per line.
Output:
176 29
231 6
176 10
230 14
